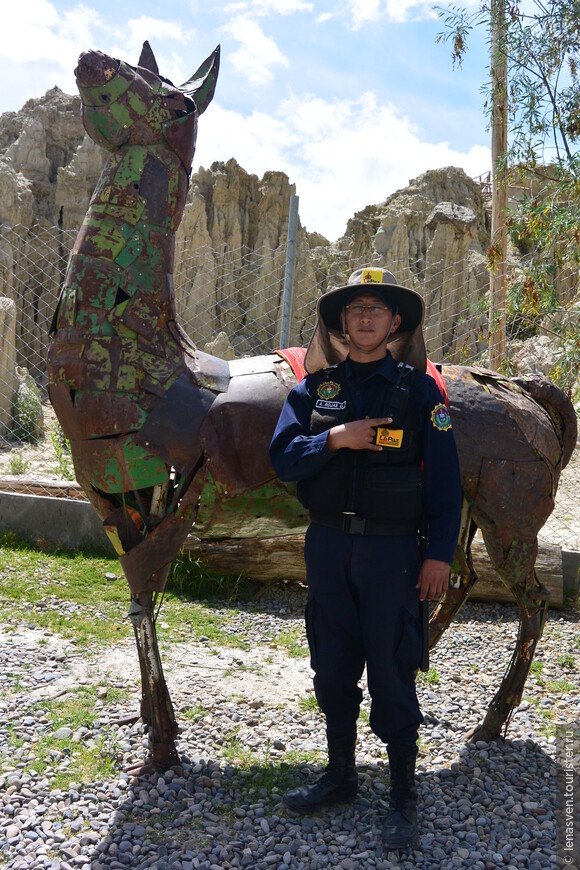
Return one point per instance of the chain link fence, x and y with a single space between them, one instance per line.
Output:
229 301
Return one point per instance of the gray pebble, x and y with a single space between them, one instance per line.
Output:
482 805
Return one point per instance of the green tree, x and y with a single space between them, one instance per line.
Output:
542 49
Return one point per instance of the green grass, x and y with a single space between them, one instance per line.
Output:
189 578
195 713
259 776
18 465
559 686
430 678
64 592
309 704
67 593
567 661
63 759
292 641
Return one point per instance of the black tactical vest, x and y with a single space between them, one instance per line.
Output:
385 487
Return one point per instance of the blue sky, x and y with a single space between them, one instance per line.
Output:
350 98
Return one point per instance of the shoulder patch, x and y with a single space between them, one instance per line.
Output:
441 418
328 390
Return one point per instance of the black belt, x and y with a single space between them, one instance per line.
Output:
355 525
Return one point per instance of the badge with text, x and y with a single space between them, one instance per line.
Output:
372 276
389 437
327 393
440 418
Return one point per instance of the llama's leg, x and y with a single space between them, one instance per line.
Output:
463 577
532 599
156 707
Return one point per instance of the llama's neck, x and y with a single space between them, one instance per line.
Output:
119 275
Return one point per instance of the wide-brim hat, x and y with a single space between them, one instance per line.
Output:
329 344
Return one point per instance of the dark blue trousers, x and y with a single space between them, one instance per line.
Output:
363 608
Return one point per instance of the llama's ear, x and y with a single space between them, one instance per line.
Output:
201 86
147 59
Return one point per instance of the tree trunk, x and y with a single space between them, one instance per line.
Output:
498 251
269 559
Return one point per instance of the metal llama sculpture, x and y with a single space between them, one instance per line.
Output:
163 435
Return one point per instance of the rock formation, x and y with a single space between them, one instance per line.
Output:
231 247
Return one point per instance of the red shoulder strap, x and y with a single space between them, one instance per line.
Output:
434 372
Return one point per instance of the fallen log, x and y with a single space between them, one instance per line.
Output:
269 559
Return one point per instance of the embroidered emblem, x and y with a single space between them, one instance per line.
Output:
389 437
328 390
440 418
372 276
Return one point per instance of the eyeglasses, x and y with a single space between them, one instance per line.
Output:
372 310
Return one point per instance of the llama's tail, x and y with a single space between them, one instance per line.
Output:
558 406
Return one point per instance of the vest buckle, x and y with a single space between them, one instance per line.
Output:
353 525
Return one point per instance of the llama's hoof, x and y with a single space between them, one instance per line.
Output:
143 767
480 732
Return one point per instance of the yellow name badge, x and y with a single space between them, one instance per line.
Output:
389 437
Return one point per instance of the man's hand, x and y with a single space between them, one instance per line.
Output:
433 579
357 435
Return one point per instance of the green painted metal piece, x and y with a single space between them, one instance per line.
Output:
269 510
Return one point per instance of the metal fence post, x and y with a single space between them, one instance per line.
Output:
289 273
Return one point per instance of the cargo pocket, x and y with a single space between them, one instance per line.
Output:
408 653
310 634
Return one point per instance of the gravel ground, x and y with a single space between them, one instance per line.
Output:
482 805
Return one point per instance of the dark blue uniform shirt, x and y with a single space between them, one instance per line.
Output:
296 454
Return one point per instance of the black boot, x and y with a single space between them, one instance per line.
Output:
400 829
338 784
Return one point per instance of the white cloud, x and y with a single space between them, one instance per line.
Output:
342 155
410 10
396 11
266 7
39 47
280 7
257 54
126 43
364 11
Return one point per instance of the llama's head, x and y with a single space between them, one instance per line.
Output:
127 105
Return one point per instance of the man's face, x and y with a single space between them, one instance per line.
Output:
367 322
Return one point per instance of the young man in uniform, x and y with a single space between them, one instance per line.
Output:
368 439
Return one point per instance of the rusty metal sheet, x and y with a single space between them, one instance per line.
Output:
171 430
140 314
118 465
480 423
143 565
265 511
253 365
209 371
65 364
61 400
107 414
237 423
